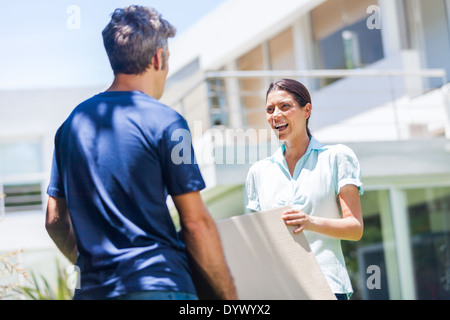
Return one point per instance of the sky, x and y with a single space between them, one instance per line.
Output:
58 43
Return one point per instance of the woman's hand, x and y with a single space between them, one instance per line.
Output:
349 227
294 217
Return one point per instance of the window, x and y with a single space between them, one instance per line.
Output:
22 197
429 223
374 249
20 176
217 102
20 158
341 35
429 33
428 235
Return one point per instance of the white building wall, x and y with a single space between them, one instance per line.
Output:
25 115
217 42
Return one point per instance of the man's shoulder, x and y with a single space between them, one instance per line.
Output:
157 109
143 104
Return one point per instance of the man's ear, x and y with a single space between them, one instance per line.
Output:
158 59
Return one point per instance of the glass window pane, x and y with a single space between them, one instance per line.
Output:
351 47
23 197
20 158
429 219
341 35
374 249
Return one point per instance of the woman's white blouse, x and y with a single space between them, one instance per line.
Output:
318 177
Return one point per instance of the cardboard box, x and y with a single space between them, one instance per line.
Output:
268 261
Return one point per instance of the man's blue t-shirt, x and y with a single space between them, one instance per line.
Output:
117 158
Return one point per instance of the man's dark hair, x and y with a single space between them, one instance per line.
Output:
133 36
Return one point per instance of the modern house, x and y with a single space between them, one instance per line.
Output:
378 75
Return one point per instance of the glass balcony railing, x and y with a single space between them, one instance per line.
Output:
348 105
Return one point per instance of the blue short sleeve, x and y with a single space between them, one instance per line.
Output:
178 162
56 187
252 191
347 169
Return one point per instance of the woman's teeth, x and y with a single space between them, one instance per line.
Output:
281 126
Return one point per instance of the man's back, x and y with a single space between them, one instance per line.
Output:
114 167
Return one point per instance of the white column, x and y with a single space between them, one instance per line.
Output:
303 43
390 28
233 98
390 252
267 65
400 222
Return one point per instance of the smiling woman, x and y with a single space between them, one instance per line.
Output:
288 111
308 176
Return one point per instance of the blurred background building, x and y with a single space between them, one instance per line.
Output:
378 73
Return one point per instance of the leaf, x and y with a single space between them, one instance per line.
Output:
41 289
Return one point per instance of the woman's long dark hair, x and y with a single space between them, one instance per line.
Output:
297 90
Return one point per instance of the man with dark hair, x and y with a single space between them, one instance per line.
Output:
113 170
